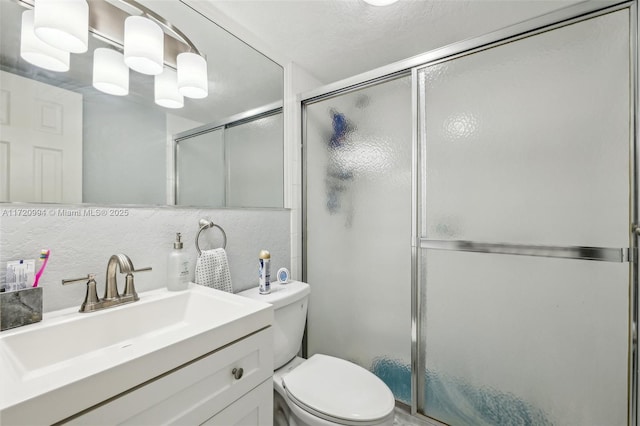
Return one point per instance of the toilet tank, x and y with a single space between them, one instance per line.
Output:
290 313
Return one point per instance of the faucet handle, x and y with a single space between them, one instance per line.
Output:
67 281
91 299
129 287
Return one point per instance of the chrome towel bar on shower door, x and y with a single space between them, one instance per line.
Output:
604 254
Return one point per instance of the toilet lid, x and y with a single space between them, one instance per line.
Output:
333 388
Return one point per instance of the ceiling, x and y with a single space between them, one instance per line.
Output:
336 39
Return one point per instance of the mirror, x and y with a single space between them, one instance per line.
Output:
61 140
233 164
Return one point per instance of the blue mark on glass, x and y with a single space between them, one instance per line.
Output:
339 172
396 375
457 402
340 129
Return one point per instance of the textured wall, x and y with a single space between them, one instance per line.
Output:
83 244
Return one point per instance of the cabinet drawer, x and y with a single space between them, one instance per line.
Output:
194 392
253 409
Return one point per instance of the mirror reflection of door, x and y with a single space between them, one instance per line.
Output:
40 142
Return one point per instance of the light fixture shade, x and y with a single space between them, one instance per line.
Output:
143 45
64 24
40 54
110 73
166 90
380 2
193 81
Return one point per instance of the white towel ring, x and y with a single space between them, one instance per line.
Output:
206 224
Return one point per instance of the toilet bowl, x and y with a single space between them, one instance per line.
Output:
325 390
322 390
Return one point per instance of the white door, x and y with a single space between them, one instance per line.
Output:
40 142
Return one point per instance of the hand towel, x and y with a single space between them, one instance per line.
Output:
212 270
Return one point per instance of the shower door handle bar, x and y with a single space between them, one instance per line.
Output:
604 254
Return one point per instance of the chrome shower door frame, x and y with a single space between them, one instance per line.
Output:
567 16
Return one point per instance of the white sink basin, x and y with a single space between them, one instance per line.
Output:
71 361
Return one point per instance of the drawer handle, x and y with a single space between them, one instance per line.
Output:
237 373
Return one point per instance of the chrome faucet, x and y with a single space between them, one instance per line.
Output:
126 267
111 295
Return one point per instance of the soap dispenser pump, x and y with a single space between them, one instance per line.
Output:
178 273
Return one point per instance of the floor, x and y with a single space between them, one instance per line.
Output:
403 418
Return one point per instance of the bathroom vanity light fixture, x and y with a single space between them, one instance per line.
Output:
63 24
143 45
37 52
192 75
110 73
166 90
151 45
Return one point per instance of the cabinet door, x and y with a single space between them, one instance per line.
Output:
193 393
253 409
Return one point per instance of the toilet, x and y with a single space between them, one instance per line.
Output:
322 390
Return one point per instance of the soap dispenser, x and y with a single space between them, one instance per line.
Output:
178 273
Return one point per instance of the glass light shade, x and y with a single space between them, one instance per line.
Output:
143 45
38 53
166 90
192 75
63 24
110 73
380 2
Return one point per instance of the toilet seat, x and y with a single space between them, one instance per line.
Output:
339 391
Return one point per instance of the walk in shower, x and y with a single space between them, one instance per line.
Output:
468 225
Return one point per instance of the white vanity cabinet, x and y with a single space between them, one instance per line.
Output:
166 359
209 390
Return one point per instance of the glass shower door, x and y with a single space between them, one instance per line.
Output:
358 229
525 218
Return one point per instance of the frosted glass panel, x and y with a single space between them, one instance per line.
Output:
255 158
515 340
358 253
201 170
528 142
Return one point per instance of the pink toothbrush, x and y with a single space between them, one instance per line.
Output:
44 256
